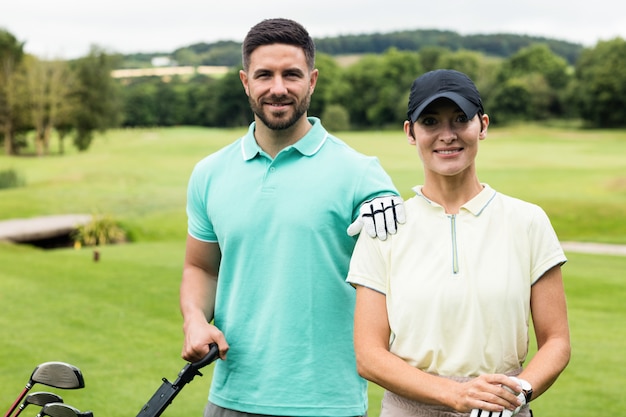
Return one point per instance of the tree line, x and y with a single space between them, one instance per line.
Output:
228 53
532 84
80 97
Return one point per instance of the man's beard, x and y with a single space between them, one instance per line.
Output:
280 124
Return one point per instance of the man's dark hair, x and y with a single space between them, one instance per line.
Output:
285 31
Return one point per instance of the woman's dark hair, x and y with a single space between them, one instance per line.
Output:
285 31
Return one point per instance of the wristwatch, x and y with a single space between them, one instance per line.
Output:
527 389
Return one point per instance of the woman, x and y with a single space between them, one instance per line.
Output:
443 307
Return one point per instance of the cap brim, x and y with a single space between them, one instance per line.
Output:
470 109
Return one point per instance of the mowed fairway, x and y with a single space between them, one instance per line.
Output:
118 319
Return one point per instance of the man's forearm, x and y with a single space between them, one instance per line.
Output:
197 294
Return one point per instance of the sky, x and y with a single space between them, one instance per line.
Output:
68 28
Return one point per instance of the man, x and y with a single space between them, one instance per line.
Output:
267 250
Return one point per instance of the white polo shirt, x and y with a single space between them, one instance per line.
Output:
458 286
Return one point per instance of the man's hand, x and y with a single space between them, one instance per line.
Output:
379 217
198 337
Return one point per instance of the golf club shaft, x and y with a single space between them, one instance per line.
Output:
18 400
19 410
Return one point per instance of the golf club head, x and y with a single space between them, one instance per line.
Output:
40 399
62 410
58 375
53 374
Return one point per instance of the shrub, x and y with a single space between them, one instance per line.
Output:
9 178
102 230
336 118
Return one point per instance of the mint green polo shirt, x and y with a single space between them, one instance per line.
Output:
282 300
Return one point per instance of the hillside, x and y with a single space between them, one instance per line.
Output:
228 53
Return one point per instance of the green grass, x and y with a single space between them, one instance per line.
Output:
578 177
139 176
118 319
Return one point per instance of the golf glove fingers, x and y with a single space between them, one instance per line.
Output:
379 217
483 413
520 397
506 412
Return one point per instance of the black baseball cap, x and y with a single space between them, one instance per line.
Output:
450 84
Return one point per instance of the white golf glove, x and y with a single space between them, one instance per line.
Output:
379 217
505 413
483 413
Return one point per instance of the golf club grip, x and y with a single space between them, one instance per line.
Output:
168 390
213 354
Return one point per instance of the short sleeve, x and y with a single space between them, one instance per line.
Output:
368 266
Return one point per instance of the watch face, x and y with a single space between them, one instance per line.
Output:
525 385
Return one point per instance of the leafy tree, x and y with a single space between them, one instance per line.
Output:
48 84
186 56
11 54
601 84
537 58
97 97
468 62
511 101
199 103
379 88
486 80
530 64
60 104
227 53
170 102
36 77
521 98
228 102
327 83
139 105
400 68
431 56
336 118
361 80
